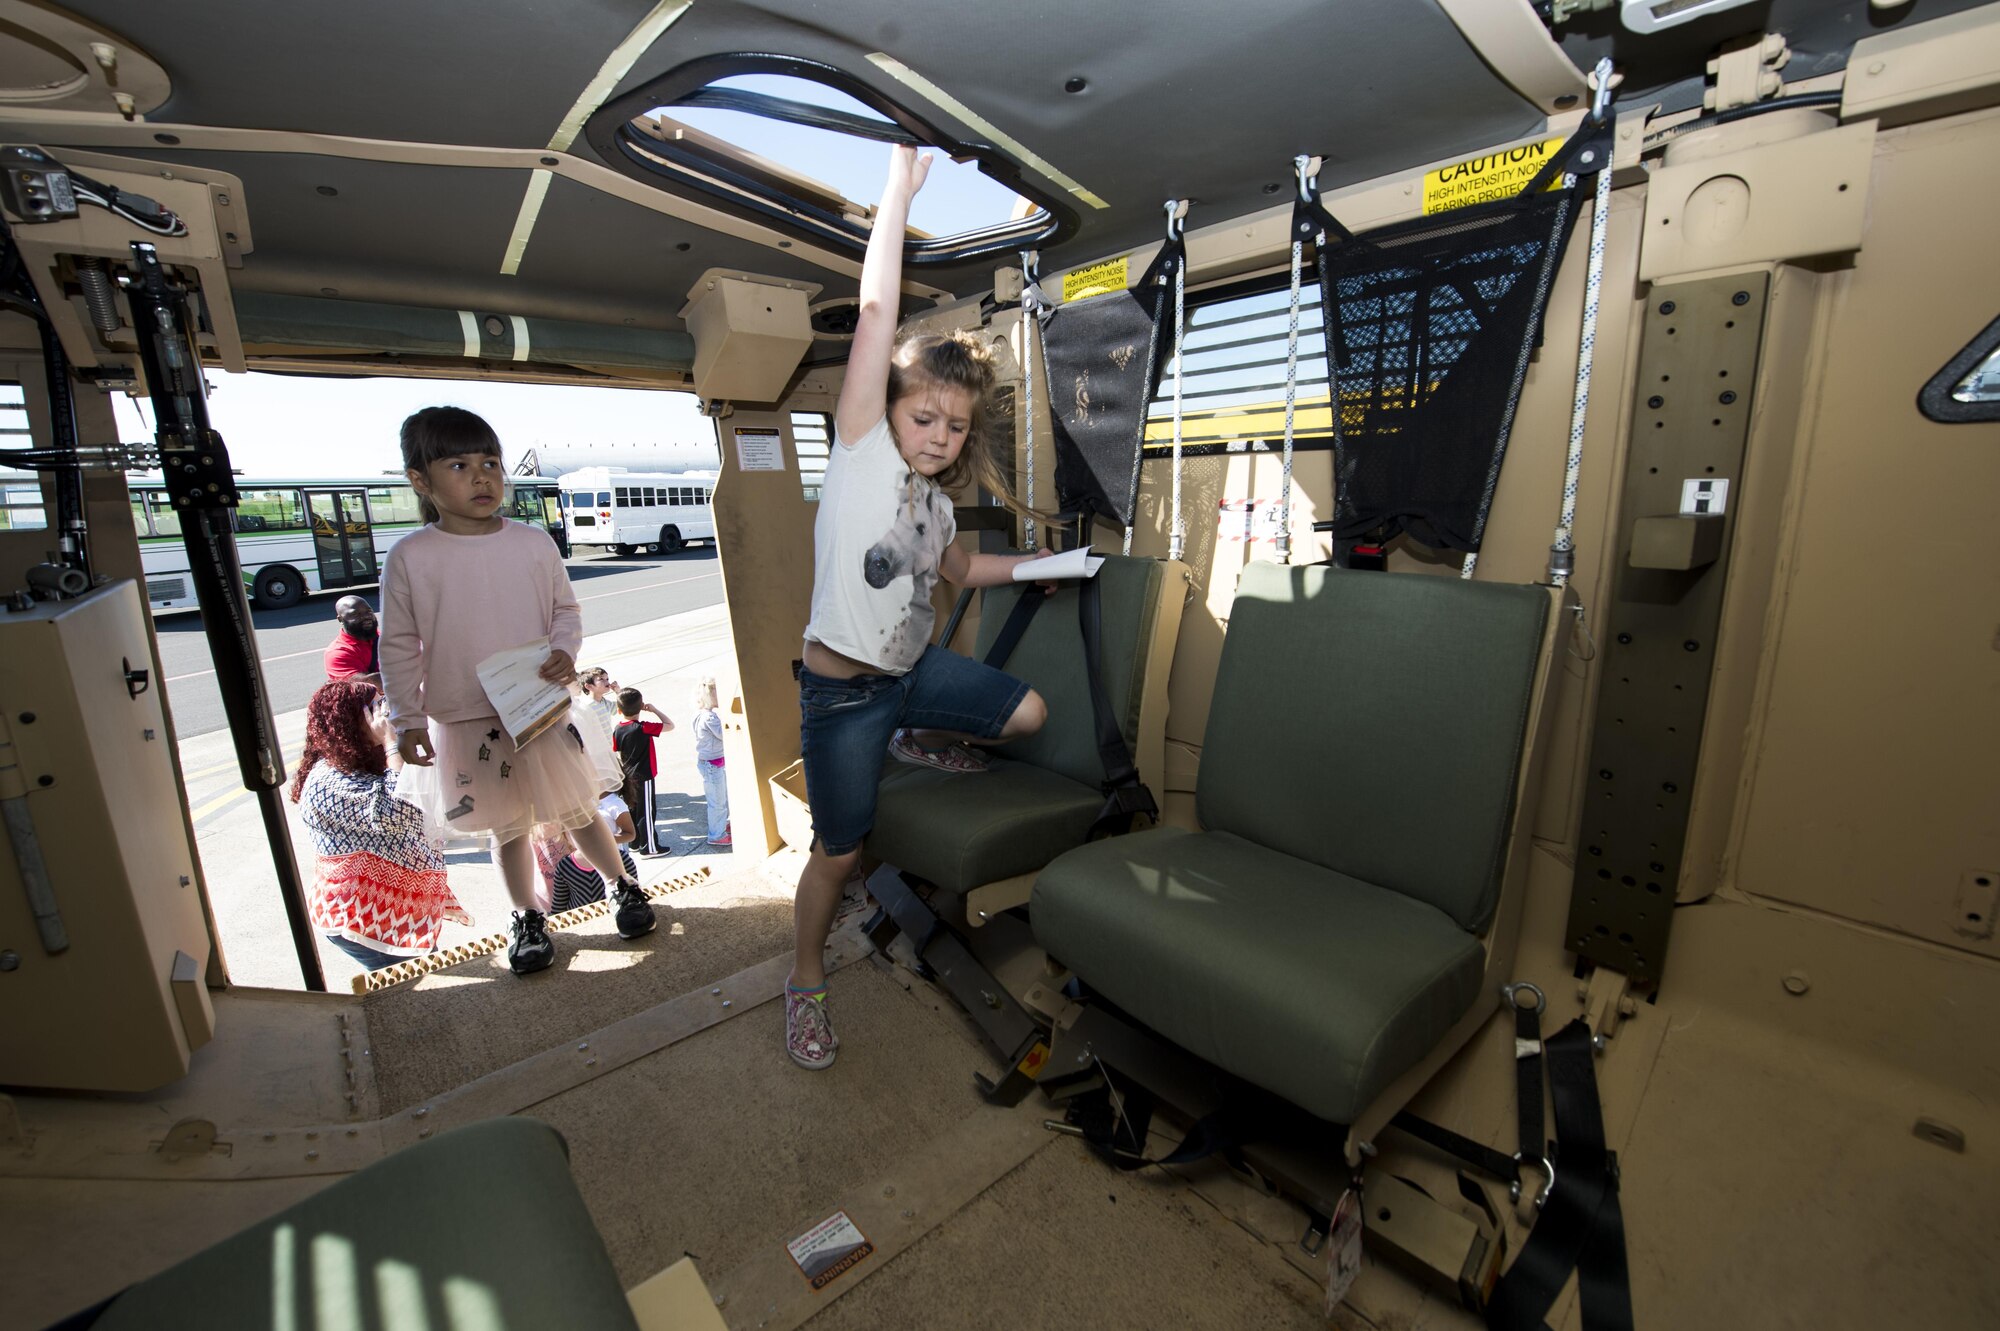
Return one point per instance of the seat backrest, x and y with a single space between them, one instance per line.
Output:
1049 657
1373 723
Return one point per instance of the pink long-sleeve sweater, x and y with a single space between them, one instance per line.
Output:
449 602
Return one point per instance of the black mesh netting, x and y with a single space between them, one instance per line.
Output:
1430 324
1103 357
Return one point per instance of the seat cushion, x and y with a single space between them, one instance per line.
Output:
481 1229
961 831
1309 983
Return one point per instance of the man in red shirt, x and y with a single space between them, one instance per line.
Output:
633 739
352 653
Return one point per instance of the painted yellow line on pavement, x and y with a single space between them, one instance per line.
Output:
219 802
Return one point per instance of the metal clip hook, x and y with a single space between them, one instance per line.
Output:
1308 180
1176 218
1507 991
1600 89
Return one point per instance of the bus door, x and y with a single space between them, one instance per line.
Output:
343 541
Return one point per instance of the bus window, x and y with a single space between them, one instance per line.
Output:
139 523
391 505
21 507
166 522
270 510
604 499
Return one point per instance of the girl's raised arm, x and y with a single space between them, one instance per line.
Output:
864 394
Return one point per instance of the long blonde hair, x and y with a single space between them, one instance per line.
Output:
958 359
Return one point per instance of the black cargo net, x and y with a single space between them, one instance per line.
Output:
1104 356
1431 323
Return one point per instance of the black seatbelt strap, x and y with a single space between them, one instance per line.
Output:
1582 1227
1531 1141
1126 795
1018 618
1497 1164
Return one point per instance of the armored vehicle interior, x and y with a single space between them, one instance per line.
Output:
1505 670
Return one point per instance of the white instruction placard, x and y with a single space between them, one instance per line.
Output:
759 449
829 1250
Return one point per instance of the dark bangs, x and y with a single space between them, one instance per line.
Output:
436 433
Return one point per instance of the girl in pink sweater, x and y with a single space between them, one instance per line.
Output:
454 592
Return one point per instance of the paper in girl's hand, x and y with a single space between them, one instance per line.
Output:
526 703
1077 563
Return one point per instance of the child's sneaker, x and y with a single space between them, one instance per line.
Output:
960 758
808 1034
529 949
635 918
723 840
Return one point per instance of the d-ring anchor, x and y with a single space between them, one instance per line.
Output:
1548 1179
1508 991
1176 210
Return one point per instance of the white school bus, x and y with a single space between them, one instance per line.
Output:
627 511
1513 843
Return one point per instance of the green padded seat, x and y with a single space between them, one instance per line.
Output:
1299 979
962 831
481 1229
1011 819
1320 936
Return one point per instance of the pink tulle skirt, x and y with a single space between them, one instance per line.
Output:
480 783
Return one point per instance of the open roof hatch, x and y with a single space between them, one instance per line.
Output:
801 146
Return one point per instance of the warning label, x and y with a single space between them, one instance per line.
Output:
1498 175
1094 280
829 1250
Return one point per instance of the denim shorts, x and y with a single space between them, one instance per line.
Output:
845 726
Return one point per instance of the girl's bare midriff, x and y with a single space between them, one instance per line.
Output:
823 660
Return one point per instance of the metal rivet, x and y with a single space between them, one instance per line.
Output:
715 991
889 1191
584 1045
423 1111
424 1132
725 1002
1740 298
590 1062
908 1213
312 1155
1796 982
1666 307
1727 397
354 1132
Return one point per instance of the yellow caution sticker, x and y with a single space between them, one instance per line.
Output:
1083 283
1499 175
1031 1063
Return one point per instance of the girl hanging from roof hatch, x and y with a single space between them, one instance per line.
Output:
472 583
913 422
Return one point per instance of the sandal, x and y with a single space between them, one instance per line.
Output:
951 758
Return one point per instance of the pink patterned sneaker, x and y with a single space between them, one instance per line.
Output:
951 758
808 1034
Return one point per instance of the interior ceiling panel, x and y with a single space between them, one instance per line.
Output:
1180 101
1667 67
490 73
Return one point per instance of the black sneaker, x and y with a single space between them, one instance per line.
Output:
529 949
635 916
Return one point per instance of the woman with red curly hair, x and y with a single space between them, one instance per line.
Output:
380 889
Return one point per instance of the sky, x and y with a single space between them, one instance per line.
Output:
293 425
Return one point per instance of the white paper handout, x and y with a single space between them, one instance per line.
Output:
526 703
1077 563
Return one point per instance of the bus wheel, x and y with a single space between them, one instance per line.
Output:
670 541
278 587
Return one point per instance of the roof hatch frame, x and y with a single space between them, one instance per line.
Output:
751 191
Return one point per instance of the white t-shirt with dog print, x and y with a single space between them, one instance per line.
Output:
880 533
